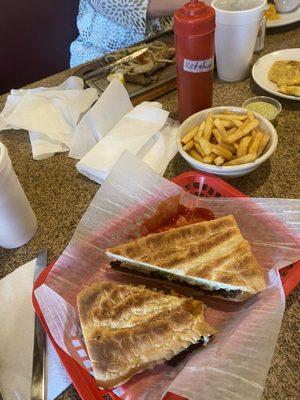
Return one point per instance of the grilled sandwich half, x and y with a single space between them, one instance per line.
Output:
128 329
211 256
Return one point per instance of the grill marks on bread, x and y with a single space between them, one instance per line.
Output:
211 250
130 328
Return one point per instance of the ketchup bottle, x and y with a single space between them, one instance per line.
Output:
194 29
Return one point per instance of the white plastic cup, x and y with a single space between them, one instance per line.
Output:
18 223
237 24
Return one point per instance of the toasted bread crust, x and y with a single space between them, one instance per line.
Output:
128 329
213 250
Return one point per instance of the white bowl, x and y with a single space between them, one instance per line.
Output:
227 171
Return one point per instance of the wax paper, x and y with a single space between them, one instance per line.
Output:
234 364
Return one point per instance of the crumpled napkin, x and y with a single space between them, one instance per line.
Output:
16 340
112 105
113 125
49 114
131 133
161 148
63 118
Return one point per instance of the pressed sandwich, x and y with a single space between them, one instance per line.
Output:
128 329
211 256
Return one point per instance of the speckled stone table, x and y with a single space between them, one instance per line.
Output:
59 196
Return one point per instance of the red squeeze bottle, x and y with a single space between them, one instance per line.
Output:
194 30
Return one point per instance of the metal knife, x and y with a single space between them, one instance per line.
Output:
39 345
116 63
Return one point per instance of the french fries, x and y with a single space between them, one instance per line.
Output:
193 153
205 145
242 131
220 127
255 142
189 145
263 143
232 130
243 146
209 159
219 160
200 132
208 127
227 123
237 123
226 139
199 149
231 116
242 160
229 147
190 135
221 151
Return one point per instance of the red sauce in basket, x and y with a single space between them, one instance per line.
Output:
185 216
171 214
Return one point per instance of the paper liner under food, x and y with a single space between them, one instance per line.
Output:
236 361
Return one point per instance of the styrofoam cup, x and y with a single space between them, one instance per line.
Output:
18 223
237 24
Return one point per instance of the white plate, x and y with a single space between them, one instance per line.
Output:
285 19
262 66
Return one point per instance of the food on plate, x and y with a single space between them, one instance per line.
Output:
271 13
128 329
268 110
211 256
292 90
142 69
226 139
286 74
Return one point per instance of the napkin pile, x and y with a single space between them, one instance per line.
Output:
16 340
49 114
61 118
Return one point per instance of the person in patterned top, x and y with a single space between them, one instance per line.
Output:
108 25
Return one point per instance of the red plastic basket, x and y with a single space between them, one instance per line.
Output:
209 186
197 184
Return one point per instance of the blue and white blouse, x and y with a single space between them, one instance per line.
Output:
107 25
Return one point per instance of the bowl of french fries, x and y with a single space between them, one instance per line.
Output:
226 141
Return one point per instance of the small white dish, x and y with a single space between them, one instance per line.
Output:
227 171
285 19
264 99
262 66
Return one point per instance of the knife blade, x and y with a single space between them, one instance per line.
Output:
39 344
116 63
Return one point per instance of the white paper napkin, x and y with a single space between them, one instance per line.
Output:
49 114
113 104
161 148
131 133
16 340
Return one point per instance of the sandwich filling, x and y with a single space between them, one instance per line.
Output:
126 267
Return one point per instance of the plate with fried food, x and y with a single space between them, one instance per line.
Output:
279 73
226 141
276 19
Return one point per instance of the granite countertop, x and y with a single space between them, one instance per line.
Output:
59 196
